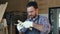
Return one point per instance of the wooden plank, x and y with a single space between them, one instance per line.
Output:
5 28
2 10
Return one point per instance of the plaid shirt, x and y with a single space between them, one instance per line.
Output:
39 20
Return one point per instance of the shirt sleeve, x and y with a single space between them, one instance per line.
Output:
46 24
23 29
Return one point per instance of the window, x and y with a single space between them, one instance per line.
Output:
59 20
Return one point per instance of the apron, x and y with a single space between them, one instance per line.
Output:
33 31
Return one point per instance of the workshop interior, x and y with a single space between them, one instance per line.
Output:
13 10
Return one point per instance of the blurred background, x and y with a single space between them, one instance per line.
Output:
16 10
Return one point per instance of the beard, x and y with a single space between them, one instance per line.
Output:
32 16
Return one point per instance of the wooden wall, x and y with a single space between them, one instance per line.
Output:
44 5
16 5
20 5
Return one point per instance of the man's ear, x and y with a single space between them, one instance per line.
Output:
37 9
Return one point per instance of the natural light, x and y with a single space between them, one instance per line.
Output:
59 20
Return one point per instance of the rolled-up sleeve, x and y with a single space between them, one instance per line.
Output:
46 25
45 22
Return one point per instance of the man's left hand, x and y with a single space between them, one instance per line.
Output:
28 24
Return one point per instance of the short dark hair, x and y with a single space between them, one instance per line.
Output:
32 3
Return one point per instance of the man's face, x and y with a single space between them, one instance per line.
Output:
31 11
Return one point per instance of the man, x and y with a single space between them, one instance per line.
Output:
35 24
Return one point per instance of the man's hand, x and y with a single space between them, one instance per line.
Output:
19 25
19 21
28 24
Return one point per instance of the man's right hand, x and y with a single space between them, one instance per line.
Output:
19 25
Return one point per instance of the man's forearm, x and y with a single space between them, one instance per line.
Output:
38 26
